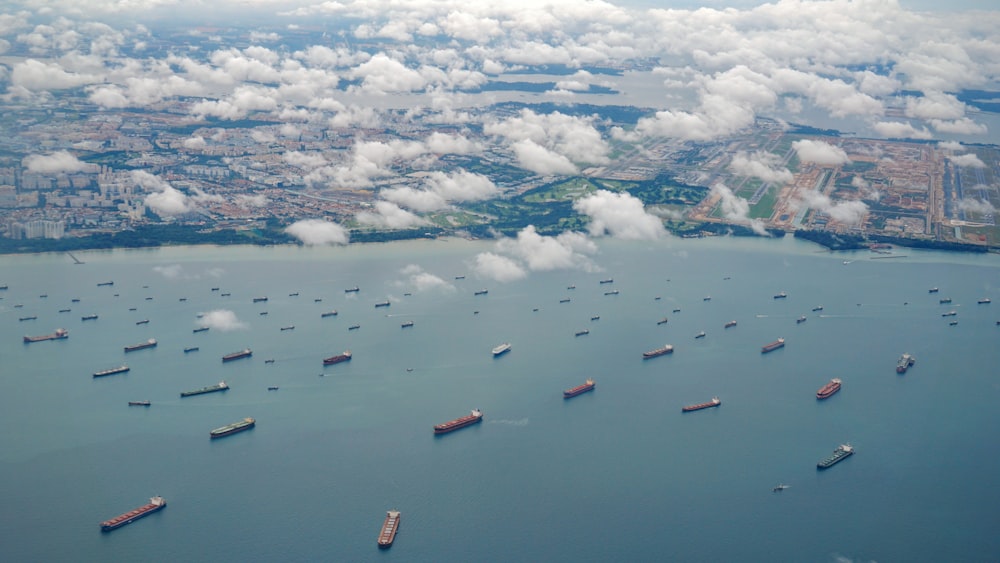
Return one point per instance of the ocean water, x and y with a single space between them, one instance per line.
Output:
619 474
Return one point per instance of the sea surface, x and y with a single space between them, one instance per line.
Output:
619 474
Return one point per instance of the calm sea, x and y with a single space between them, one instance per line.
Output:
619 474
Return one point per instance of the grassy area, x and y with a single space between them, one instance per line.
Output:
765 207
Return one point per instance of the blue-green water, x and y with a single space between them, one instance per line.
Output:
614 475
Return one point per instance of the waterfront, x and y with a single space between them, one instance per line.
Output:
617 474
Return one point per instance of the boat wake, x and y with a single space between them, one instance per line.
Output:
511 422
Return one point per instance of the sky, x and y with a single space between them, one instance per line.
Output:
892 68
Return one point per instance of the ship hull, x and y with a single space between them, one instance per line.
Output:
772 346
457 424
333 360
657 353
578 390
389 528
114 371
232 429
828 390
701 406
213 389
838 456
131 516
237 356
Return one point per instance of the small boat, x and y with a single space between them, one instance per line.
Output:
149 299
564 300
932 290
570 287
407 324
215 289
191 349
354 327
582 332
262 313
780 295
730 324
779 487
700 334
296 294
269 361
801 319
139 403
817 308
318 300
676 311
707 298
225 294
501 349
953 323
272 388
595 318
75 300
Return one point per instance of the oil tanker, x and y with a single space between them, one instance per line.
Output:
244 353
389 528
475 417
59 334
220 386
666 349
579 389
827 391
842 452
713 403
245 424
151 343
338 358
155 503
111 371
771 347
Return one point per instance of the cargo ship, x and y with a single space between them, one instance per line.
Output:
389 529
244 353
155 503
107 283
31 318
582 332
501 349
259 299
151 343
612 292
932 290
328 314
385 303
111 371
565 300
780 295
949 314
984 301
730 324
771 347
406 324
713 403
483 291
354 327
609 280
139 403
827 391
59 334
701 334
338 358
842 452
666 349
245 424
475 417
904 363
220 386
579 389
662 321
88 318
65 310
817 308
142 322
190 349
200 329
289 327
800 320
354 289
945 300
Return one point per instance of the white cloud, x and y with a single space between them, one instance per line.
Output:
171 272
551 143
532 156
900 130
847 212
390 216
963 126
765 166
318 231
222 320
493 266
969 160
420 280
163 198
620 215
819 152
979 206
736 209
258 200
56 163
568 250
195 143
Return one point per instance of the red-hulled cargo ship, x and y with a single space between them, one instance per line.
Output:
244 353
59 334
338 358
475 417
588 386
389 529
779 343
827 391
666 349
713 403
155 503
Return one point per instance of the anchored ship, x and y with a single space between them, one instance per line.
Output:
338 358
108 283
701 334
730 324
88 318
501 349
155 503
385 303
612 292
609 280
780 295
259 299
827 391
220 386
190 349
476 416
904 363
59 334
932 290
582 332
31 318
139 403
328 314
483 291
662 321
666 349
984 301
354 289
579 389
112 371
151 343
245 424
779 343
389 529
200 329
945 300
406 324
713 403
244 353
843 451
